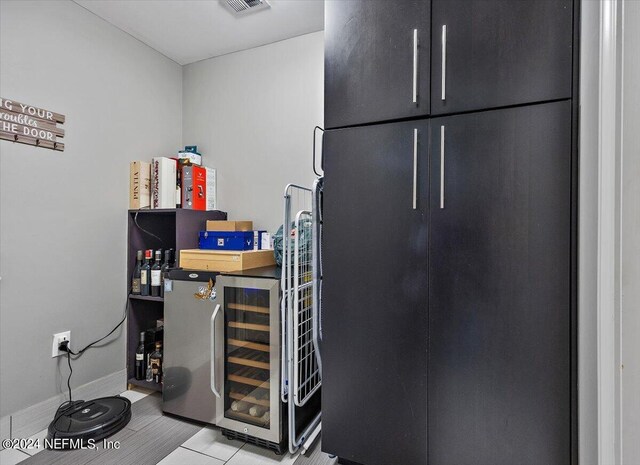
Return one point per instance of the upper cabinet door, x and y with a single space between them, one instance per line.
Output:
376 60
493 53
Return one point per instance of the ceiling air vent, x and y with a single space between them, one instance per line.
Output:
241 7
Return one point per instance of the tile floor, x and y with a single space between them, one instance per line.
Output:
206 447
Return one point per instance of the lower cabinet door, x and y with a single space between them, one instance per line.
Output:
374 317
499 287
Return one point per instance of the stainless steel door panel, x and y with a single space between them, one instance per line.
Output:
187 373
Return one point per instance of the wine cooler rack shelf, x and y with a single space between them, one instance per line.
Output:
249 326
250 345
249 308
251 400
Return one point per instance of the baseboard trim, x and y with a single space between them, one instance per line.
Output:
31 420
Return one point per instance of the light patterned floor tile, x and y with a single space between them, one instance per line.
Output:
182 456
254 455
210 441
12 456
41 435
135 395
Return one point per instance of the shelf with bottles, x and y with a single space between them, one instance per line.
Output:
155 229
148 369
149 274
250 404
143 383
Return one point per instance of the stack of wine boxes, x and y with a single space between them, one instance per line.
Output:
179 182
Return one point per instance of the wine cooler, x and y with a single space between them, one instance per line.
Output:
245 328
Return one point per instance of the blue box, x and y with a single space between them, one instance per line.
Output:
226 240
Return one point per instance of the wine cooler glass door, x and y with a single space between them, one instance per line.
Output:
250 400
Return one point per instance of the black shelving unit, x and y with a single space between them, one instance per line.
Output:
154 229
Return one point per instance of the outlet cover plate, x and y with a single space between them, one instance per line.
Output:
57 339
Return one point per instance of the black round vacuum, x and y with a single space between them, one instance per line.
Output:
94 420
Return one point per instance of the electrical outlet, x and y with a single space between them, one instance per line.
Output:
57 339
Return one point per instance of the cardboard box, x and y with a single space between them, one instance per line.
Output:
218 225
194 158
226 240
163 183
266 242
191 154
139 185
210 190
225 260
258 240
194 185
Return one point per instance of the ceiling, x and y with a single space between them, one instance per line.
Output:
193 30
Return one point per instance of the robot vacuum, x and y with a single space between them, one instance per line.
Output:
82 421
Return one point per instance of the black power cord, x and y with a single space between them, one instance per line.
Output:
64 345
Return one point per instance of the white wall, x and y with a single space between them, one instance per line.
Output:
252 114
630 235
63 215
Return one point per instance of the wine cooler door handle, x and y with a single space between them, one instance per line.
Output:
213 351
415 66
444 61
415 168
441 167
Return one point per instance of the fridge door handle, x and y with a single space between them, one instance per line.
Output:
415 66
441 167
444 62
213 351
415 168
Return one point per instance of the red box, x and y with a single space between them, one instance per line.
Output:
194 187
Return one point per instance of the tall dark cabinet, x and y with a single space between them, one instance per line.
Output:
449 260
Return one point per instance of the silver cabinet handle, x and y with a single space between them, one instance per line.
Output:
415 168
441 166
415 66
213 351
444 61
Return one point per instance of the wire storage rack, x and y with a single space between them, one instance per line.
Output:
301 374
306 372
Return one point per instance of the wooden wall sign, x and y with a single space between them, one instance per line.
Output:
31 125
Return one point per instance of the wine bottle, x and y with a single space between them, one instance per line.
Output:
135 282
145 274
164 270
239 406
149 376
140 356
156 275
257 411
155 361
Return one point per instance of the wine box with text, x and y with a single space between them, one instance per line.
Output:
163 183
139 185
210 191
194 184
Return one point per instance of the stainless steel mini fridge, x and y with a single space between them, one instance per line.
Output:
189 345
